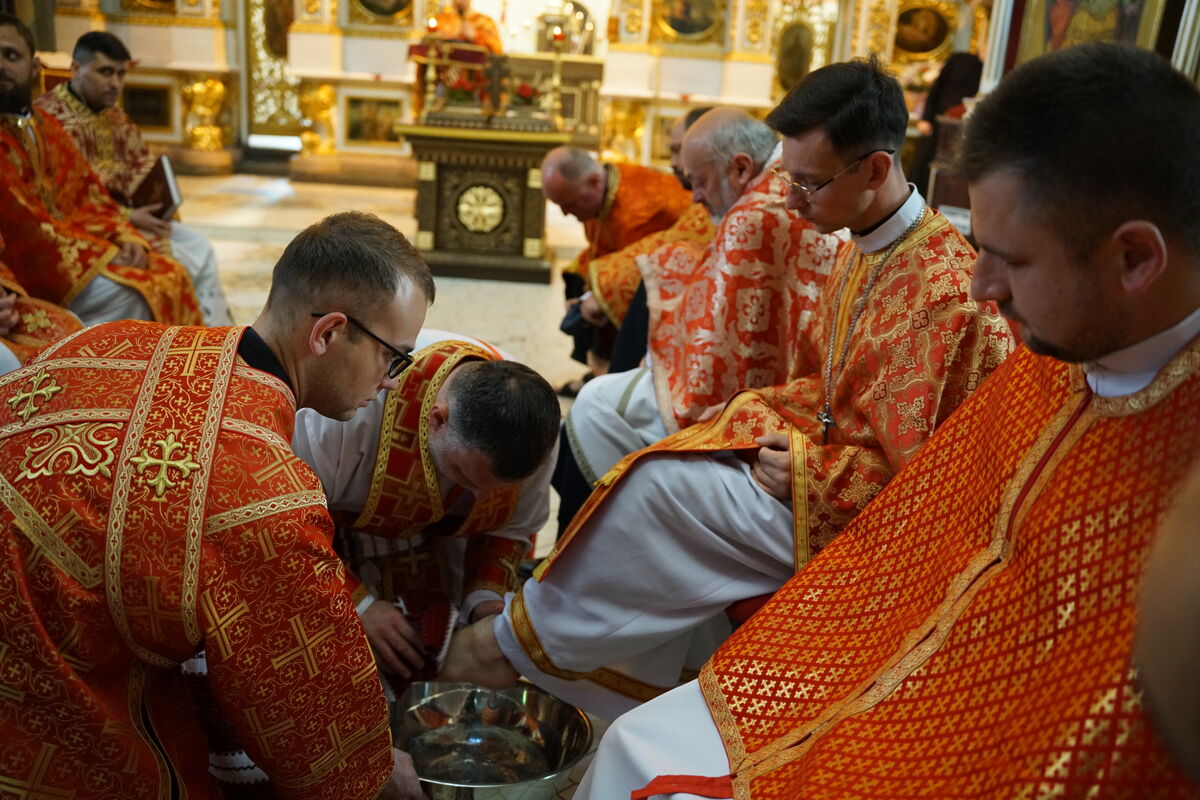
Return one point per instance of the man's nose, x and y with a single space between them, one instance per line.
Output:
988 282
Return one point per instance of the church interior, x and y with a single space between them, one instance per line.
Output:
437 117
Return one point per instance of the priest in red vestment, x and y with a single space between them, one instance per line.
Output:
618 204
438 486
68 242
27 324
970 635
111 142
151 509
678 532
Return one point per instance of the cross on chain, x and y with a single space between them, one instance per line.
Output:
162 482
35 392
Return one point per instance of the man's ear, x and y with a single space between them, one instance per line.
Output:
741 167
1142 252
75 68
881 165
325 331
439 417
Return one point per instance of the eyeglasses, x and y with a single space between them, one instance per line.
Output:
400 361
806 193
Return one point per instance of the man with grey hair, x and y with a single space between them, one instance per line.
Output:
723 316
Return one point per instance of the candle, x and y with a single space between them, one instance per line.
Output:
431 24
557 33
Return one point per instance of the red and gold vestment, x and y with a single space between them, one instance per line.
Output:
108 139
969 634
151 506
737 313
40 323
919 348
638 201
406 497
614 278
62 228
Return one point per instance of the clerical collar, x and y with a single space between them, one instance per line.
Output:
886 232
257 354
1132 368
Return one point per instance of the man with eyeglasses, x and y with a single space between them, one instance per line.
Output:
153 513
438 488
720 514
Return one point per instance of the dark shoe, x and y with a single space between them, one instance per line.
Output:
572 388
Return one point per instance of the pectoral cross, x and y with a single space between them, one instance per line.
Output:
826 419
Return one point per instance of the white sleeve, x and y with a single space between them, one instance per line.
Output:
341 453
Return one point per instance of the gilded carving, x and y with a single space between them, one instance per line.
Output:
924 30
396 13
274 106
631 10
755 20
204 99
802 42
624 126
688 21
317 106
82 449
504 187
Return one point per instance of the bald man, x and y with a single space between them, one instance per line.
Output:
618 204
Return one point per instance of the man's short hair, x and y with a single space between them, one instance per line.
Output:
574 164
742 135
101 42
506 411
1097 135
22 30
350 262
689 119
860 106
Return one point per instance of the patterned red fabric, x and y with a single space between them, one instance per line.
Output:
969 634
40 323
920 348
108 139
62 228
614 278
405 497
638 201
150 505
736 314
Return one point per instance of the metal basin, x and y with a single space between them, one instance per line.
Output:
470 743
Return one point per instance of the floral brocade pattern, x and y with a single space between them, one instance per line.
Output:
735 314
969 634
108 139
140 437
62 228
639 201
40 323
614 278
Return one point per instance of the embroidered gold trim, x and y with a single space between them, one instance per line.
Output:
1185 364
801 541
264 435
608 678
119 507
263 509
36 391
79 445
45 539
199 488
242 370
66 416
